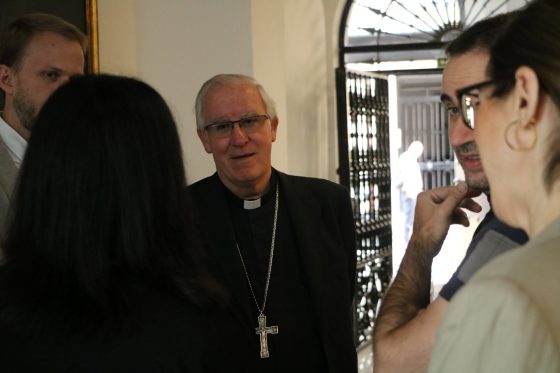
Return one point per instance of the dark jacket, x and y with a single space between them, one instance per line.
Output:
163 334
322 223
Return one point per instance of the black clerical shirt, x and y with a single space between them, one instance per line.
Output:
297 346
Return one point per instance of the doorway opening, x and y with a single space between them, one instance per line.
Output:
391 57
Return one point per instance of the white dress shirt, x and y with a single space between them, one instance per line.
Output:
15 144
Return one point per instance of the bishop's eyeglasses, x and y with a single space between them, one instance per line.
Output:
469 98
224 128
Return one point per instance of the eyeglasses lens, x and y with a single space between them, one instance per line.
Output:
248 125
468 111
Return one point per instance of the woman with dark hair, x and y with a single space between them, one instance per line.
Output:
100 266
507 318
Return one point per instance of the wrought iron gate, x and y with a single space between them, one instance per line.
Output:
364 167
422 117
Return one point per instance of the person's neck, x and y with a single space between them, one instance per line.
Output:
250 190
540 211
11 118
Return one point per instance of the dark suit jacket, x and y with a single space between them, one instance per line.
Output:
322 221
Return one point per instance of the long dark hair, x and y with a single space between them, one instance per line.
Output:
99 207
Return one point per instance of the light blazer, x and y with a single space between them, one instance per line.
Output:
8 175
322 221
507 318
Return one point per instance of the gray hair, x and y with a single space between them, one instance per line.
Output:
224 80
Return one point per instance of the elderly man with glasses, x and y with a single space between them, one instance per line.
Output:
407 323
283 246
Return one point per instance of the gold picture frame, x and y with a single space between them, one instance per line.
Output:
92 32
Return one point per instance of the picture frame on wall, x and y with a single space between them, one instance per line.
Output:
81 13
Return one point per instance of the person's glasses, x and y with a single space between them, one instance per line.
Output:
224 128
469 98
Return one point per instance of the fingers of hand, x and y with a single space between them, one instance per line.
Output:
470 205
460 217
456 196
437 195
473 193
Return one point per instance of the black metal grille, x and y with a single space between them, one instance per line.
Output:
422 117
365 169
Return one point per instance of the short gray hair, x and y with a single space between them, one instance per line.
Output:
224 80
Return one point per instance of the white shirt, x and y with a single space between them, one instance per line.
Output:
15 144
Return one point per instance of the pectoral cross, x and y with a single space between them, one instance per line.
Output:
263 332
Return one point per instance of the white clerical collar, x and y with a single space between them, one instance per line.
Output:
251 204
15 144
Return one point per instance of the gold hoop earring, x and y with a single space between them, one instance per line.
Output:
531 124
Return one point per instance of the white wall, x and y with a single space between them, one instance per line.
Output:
175 45
268 38
306 87
117 37
333 13
290 55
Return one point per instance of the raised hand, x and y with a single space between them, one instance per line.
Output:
436 210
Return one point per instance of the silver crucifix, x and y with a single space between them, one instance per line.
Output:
263 332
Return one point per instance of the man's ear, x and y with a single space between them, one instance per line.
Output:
273 127
6 78
203 136
528 102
